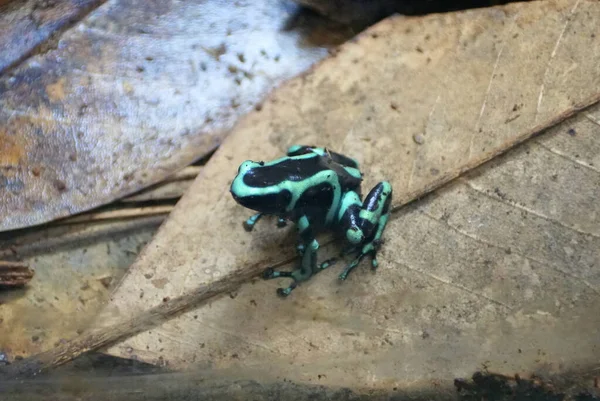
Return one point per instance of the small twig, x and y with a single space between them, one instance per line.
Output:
172 188
14 274
167 191
126 213
188 173
38 241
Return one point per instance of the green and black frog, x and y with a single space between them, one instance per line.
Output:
316 189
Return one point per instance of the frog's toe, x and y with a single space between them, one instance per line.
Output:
271 273
351 267
356 262
328 263
285 292
268 273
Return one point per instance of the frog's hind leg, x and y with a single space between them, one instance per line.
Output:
364 222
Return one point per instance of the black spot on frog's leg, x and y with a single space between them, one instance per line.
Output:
350 219
375 197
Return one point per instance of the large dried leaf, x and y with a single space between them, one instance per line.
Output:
134 92
497 267
28 24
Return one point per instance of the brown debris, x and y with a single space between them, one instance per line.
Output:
14 274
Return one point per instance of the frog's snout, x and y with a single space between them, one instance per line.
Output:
249 165
243 170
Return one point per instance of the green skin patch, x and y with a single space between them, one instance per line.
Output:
315 189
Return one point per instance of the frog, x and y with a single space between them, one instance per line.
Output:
316 189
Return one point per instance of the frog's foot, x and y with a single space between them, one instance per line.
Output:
369 249
297 275
376 244
271 273
351 266
328 263
251 222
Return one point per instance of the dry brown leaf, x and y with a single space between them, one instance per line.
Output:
489 266
29 24
129 96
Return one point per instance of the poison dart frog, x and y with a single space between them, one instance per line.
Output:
316 189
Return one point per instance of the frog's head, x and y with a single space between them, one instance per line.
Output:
260 187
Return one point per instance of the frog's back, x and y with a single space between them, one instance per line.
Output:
306 170
313 185
320 188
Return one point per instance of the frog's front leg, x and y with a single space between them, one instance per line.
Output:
308 266
364 222
251 221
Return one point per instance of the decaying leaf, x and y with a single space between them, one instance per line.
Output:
28 24
134 92
494 268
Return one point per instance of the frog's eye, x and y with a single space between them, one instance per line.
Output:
247 165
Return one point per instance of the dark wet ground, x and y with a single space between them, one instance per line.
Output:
364 12
99 377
